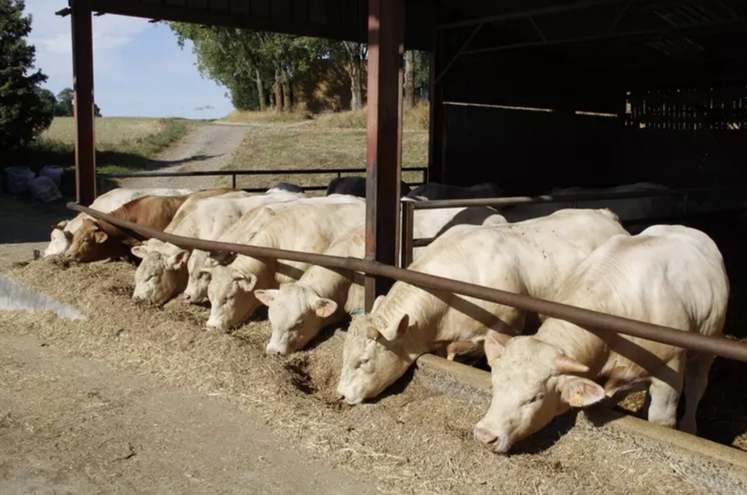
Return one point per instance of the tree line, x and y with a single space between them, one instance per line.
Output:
262 70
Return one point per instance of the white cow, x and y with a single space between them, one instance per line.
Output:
163 274
435 190
531 257
322 296
307 228
667 275
627 209
242 232
298 311
62 234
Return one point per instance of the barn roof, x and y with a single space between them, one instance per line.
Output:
644 28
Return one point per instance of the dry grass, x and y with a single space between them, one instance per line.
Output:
412 441
267 117
109 130
416 119
316 147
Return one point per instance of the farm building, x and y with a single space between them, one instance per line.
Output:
529 94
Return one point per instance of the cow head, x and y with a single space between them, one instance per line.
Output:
60 240
532 383
91 242
296 313
199 279
160 277
374 357
231 296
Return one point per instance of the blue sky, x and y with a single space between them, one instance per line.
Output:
139 70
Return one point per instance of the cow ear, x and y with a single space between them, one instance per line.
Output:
402 327
267 296
139 251
100 236
179 260
68 235
246 282
60 225
325 307
495 344
579 392
377 303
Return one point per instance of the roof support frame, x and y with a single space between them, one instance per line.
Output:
85 143
386 49
679 30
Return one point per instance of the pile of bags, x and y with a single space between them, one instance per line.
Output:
45 187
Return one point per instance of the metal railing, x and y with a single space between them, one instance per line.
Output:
593 321
408 242
234 173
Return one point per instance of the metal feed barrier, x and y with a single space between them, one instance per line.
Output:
593 321
234 173
408 242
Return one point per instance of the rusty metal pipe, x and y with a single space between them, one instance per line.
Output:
583 317
559 198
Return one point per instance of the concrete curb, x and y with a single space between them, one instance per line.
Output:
716 467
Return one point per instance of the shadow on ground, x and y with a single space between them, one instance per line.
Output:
24 219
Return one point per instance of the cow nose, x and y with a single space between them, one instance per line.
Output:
484 436
187 297
273 350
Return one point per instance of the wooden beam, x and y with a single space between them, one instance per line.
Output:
85 147
194 15
386 29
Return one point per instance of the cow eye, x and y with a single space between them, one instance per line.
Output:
536 398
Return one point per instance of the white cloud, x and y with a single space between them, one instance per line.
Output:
51 34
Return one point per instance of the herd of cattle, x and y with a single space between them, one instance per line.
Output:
667 275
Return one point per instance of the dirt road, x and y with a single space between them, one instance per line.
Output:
208 147
76 425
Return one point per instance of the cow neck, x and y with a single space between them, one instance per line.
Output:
326 283
575 342
406 299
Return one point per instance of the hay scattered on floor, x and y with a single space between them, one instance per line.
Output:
413 441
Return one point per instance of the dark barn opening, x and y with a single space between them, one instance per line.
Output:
591 94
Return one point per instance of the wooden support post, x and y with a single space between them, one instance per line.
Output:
85 148
436 141
386 29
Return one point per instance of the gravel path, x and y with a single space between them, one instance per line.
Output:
208 147
71 424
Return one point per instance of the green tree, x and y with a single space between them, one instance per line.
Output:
49 100
351 55
64 106
23 109
240 58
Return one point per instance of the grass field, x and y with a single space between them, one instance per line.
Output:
122 143
331 141
110 131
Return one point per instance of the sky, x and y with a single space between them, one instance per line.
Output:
139 71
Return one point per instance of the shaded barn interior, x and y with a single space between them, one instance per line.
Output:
611 92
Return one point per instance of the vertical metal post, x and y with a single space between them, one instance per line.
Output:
436 141
408 228
85 147
386 29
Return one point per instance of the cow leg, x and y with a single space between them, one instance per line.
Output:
665 391
696 381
